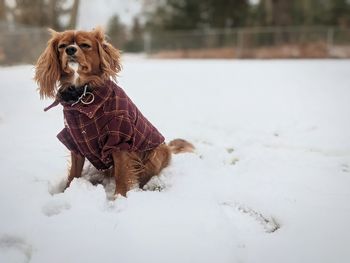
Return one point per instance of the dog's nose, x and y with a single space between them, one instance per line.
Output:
71 50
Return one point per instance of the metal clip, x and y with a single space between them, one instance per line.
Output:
81 98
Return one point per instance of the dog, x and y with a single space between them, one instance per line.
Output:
79 69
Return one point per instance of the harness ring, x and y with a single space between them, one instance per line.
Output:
87 94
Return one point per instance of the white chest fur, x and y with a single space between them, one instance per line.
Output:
74 66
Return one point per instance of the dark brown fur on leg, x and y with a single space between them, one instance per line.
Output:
137 168
124 172
154 163
77 163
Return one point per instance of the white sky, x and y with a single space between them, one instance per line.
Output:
98 12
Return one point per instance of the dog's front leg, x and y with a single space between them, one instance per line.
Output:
124 174
77 163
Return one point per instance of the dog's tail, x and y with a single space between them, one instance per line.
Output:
181 146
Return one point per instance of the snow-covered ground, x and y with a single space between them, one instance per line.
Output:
269 182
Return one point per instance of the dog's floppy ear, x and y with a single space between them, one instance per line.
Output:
109 55
47 68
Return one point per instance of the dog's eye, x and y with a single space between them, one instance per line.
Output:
62 46
84 45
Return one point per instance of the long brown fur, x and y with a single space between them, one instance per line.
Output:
98 63
47 69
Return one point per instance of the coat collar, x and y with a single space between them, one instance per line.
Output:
101 95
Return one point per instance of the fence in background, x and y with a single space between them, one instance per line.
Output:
20 44
274 42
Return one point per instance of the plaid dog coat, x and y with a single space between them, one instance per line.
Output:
111 123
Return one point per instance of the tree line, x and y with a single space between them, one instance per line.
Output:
172 15
204 14
169 15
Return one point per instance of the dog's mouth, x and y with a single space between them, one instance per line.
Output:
71 65
74 65
72 58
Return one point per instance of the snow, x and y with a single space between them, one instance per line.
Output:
269 181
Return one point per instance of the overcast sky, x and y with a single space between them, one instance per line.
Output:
98 12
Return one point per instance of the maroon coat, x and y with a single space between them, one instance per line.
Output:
111 123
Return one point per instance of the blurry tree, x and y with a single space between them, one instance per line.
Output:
116 32
45 13
135 42
302 12
192 14
175 15
2 10
226 13
73 14
276 12
340 12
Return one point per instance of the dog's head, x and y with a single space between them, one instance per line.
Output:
76 58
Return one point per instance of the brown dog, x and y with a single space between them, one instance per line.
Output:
102 124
